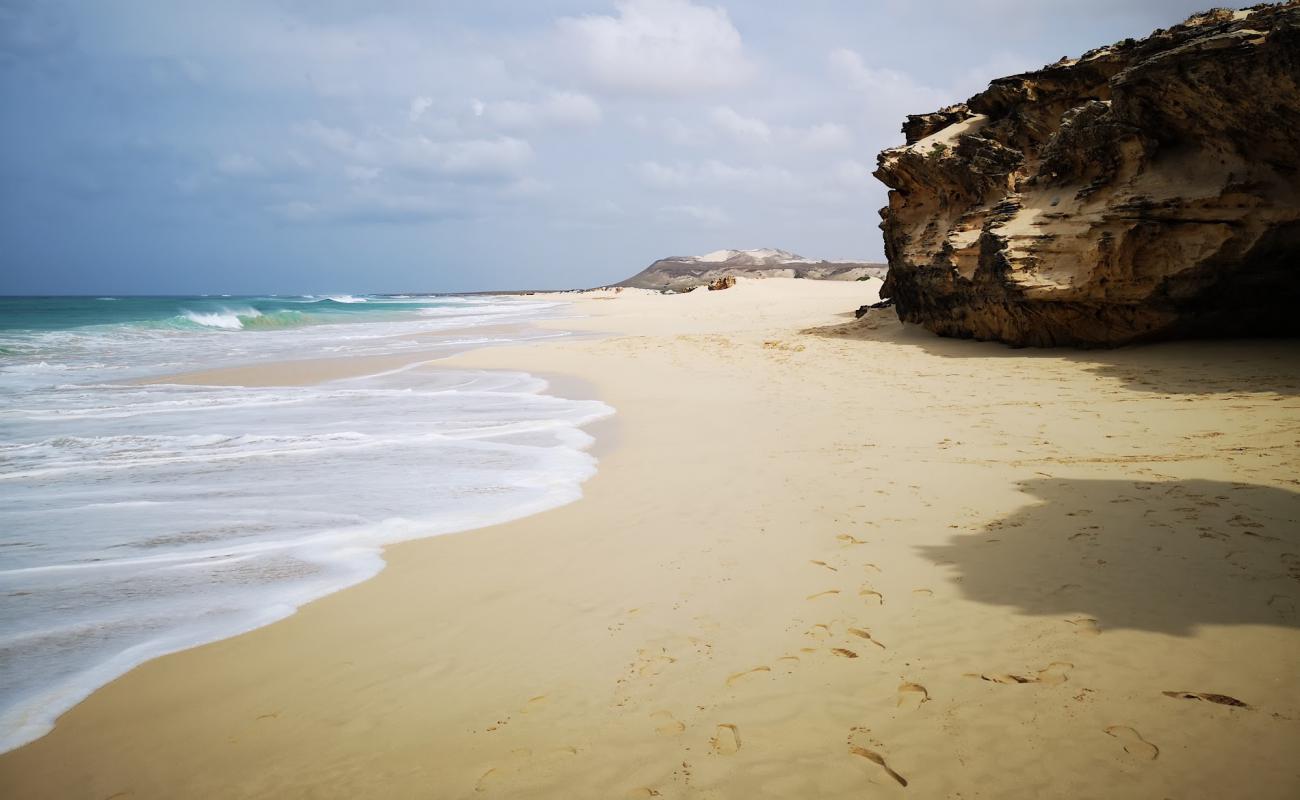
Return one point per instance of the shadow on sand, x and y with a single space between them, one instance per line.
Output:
1156 556
1202 366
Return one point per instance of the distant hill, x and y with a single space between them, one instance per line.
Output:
685 272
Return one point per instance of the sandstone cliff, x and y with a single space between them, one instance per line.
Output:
1145 190
680 273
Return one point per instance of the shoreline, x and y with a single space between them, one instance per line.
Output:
685 628
367 559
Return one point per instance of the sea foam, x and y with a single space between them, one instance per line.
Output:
139 520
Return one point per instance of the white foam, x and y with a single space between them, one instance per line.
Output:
144 519
225 319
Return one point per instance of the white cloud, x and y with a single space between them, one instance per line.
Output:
853 174
501 156
709 216
557 109
361 174
571 108
715 173
679 133
238 164
294 211
526 187
334 139
659 47
662 176
888 95
742 128
826 136
419 105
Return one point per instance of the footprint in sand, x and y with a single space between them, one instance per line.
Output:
878 760
1052 675
1085 626
871 594
1133 742
726 741
866 634
1209 697
652 665
824 564
1283 605
826 593
740 676
666 724
843 653
819 631
642 791
522 763
847 539
923 592
871 566
912 695
534 704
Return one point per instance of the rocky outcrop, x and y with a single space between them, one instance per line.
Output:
725 282
680 273
1149 189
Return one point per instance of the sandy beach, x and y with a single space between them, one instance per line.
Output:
821 558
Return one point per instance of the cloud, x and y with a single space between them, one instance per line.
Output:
742 128
557 109
714 173
365 206
419 105
662 176
238 164
571 108
852 174
709 216
887 94
294 211
501 156
331 138
361 174
496 157
666 47
826 136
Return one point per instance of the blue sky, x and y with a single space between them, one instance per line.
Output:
245 146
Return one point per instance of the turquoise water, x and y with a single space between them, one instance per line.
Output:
116 338
196 312
137 519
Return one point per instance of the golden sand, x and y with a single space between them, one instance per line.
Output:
860 562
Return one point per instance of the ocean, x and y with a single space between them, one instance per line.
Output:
138 519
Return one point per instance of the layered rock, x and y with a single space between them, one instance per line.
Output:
682 273
1148 189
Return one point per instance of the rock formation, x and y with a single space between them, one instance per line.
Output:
1145 190
680 273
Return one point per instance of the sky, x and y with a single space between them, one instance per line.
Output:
306 146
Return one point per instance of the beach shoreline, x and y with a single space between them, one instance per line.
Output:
821 557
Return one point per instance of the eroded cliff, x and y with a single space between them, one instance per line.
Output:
1149 189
